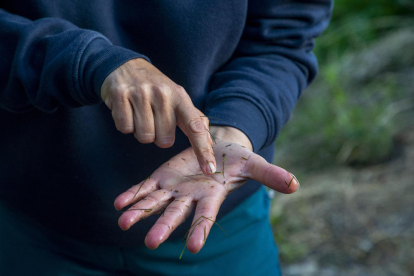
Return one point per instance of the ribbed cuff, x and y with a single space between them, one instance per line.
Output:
241 114
102 59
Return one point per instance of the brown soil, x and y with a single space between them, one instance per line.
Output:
351 221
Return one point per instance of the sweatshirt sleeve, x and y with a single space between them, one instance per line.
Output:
50 62
257 89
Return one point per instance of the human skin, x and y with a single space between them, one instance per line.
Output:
178 186
147 103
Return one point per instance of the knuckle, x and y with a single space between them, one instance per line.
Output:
180 89
206 151
170 226
196 126
151 198
175 210
125 129
180 96
205 211
142 94
162 93
119 92
163 89
145 138
164 143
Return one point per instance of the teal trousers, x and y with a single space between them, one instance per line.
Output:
27 250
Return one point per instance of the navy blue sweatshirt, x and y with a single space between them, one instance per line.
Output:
62 161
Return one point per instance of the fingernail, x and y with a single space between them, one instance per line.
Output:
210 167
296 181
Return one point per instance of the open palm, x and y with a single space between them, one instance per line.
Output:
179 186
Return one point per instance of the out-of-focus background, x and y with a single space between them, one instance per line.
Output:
350 142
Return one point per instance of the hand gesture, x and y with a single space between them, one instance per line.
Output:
179 186
147 103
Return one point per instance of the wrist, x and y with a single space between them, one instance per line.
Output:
230 134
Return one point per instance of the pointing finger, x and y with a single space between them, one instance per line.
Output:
189 120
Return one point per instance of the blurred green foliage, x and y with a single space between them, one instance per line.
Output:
292 250
352 111
357 23
341 120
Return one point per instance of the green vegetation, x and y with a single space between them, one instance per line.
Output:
347 114
357 23
351 113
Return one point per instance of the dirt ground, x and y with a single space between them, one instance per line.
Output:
351 221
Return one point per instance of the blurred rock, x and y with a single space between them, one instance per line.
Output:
351 221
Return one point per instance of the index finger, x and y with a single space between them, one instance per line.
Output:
190 122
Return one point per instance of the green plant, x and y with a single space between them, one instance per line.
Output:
342 119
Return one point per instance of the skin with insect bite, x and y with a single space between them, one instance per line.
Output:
179 186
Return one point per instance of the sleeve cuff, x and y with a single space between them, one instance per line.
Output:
102 59
241 114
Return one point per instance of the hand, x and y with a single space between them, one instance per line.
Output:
178 186
147 103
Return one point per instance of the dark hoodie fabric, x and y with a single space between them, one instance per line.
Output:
62 161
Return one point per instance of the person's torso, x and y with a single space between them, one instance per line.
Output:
65 169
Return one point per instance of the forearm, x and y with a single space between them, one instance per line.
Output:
50 62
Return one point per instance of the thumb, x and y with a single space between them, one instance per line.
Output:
272 176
